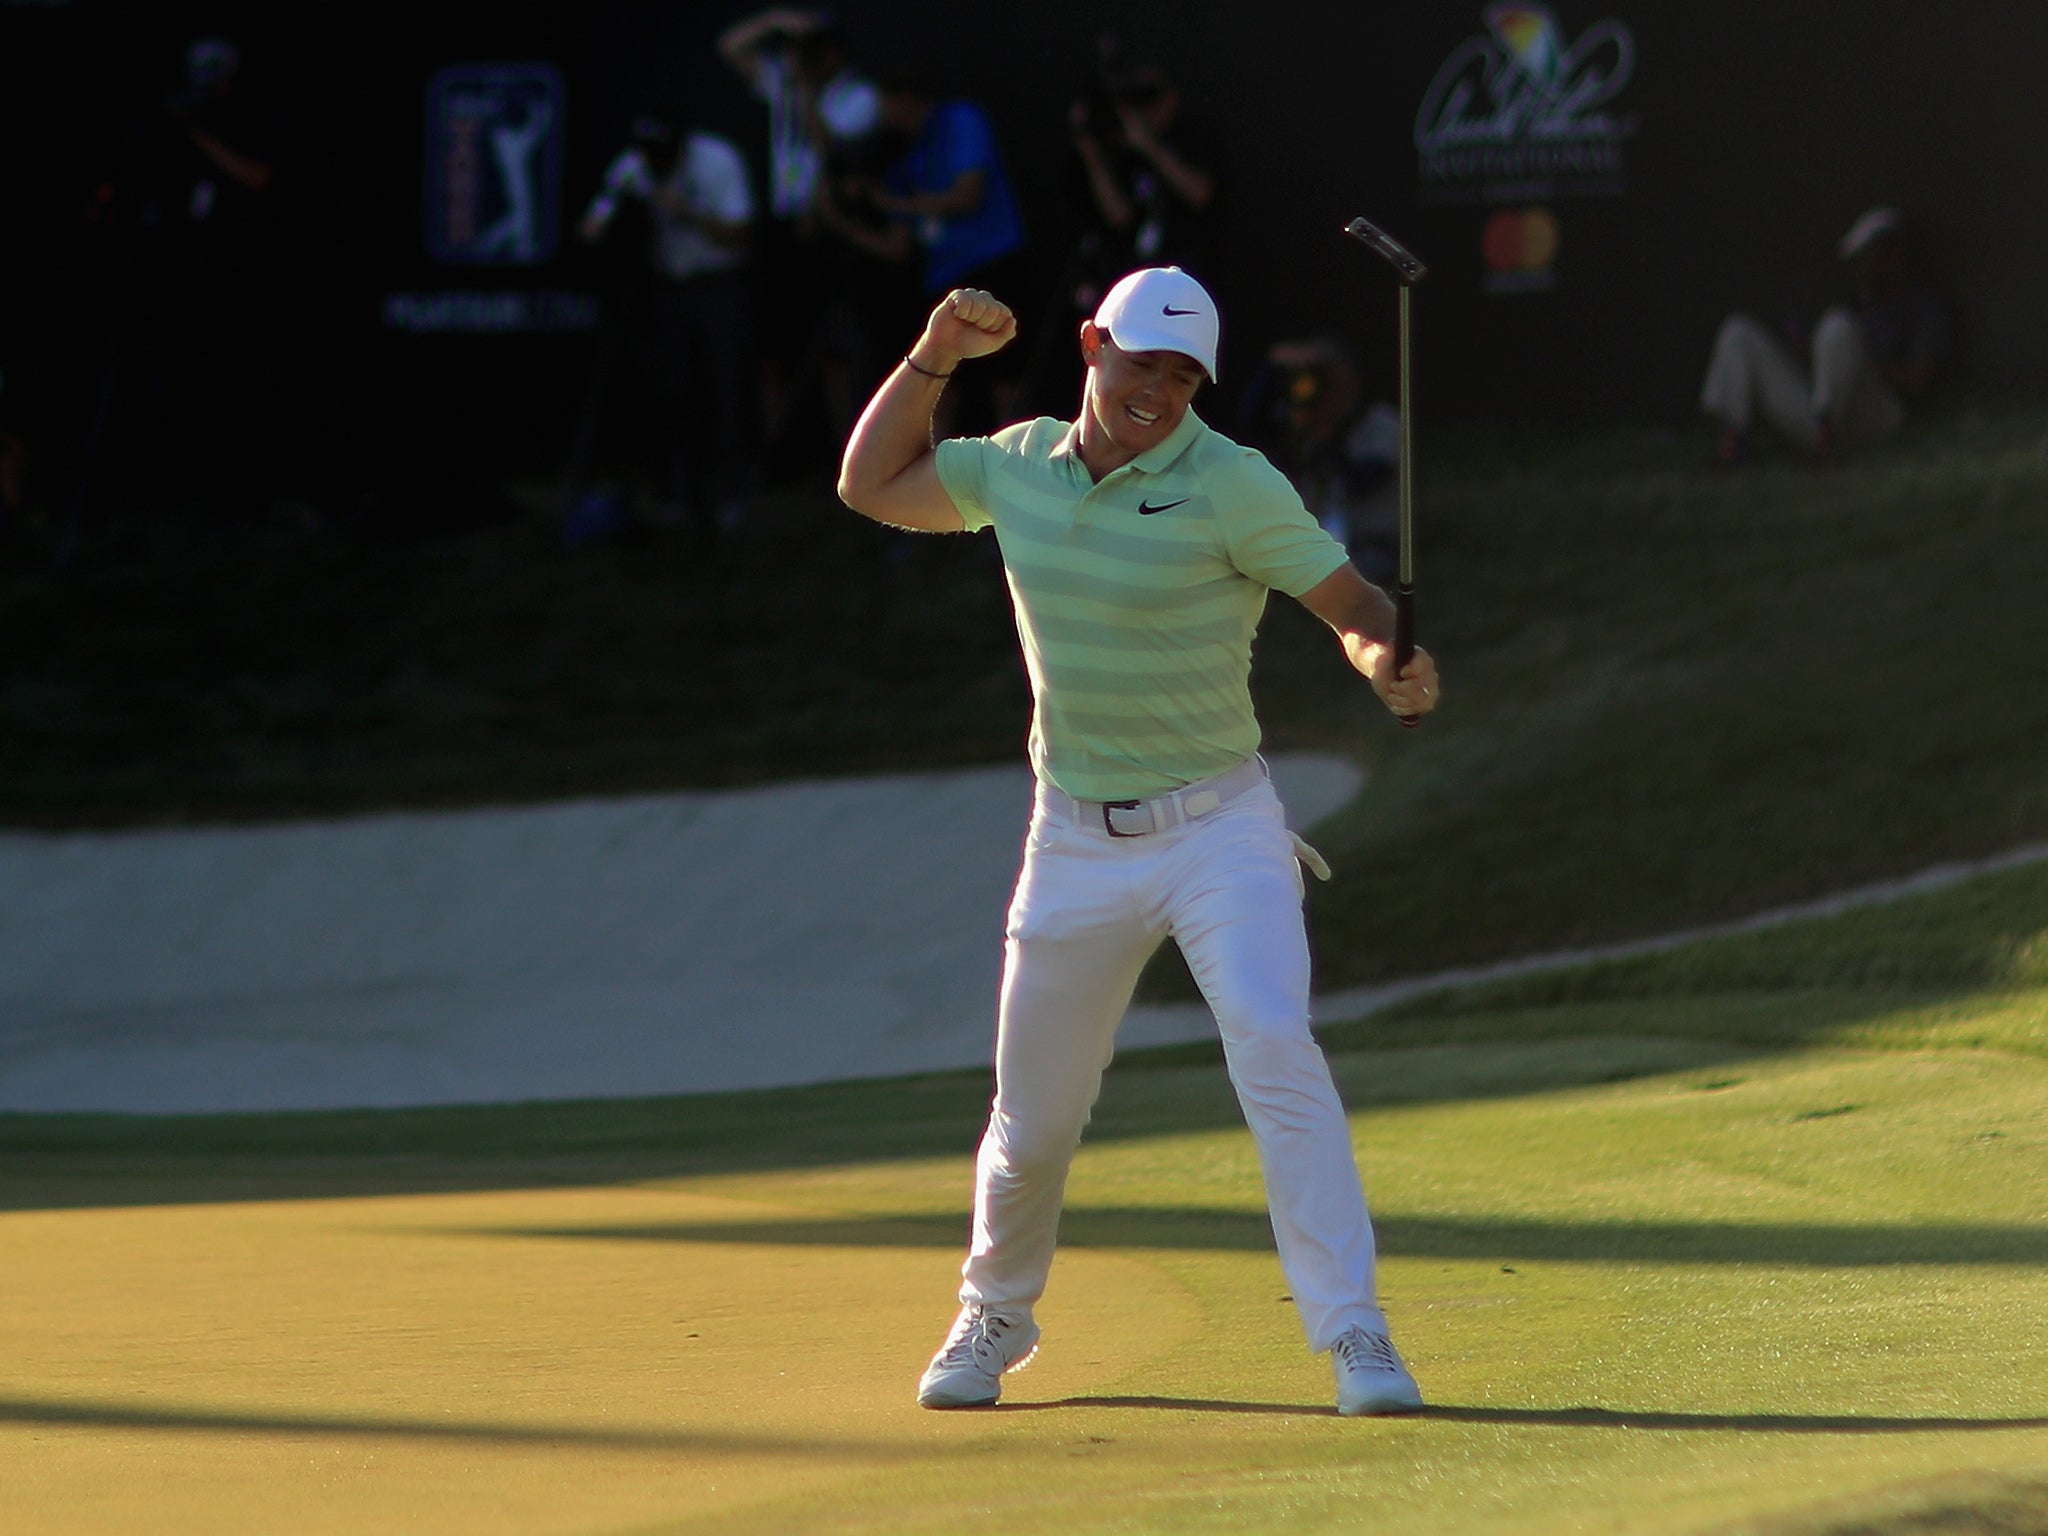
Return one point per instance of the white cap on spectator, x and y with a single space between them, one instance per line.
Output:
1867 231
1162 309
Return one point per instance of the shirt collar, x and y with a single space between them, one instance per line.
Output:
1153 460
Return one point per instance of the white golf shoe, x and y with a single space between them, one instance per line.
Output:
968 1371
1370 1375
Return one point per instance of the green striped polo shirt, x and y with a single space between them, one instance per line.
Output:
1137 597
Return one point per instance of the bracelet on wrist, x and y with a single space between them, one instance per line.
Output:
918 368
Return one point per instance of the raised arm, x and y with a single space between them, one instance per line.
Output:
742 43
1193 185
889 472
1363 617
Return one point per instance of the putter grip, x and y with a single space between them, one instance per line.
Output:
1404 638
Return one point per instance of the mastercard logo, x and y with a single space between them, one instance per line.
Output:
1520 240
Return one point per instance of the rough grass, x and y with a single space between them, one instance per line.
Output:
1967 965
1684 697
1675 695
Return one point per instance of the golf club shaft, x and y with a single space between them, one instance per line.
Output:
1404 590
1408 271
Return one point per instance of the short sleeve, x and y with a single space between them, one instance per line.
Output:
963 466
1269 534
967 144
973 469
728 195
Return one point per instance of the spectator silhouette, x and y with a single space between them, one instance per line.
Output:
950 208
1146 169
220 283
1866 359
871 289
817 102
1141 190
693 214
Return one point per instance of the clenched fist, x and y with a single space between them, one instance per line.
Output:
968 322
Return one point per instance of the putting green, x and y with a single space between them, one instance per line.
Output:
1721 1294
477 1362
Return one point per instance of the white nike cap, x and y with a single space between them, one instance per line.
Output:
1162 309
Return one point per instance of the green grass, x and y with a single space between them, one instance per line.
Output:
1744 1237
1682 697
1747 1237
1967 965
190 672
1674 695
1650 1285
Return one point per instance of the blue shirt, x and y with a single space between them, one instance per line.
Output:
957 138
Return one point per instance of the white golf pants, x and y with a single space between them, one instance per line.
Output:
1752 373
1089 910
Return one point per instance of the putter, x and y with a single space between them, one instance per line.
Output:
1408 271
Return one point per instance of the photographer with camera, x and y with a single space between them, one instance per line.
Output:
689 196
1150 191
949 208
818 104
1141 192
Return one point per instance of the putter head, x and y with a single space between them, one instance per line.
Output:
1407 267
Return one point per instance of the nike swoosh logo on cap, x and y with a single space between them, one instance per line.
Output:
1168 309
1146 509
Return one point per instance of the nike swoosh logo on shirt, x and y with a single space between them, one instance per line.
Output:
1146 509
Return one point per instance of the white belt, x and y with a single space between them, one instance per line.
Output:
1162 813
1159 813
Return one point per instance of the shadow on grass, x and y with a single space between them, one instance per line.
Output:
53 1413
1564 1418
81 1161
54 1161
185 1419
1818 1244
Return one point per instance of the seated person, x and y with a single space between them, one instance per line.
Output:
1868 357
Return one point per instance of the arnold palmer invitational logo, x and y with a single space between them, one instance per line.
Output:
1519 111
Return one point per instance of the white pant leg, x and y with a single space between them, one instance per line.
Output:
1847 388
1235 909
1750 373
1077 941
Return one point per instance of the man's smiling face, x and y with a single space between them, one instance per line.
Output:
1134 401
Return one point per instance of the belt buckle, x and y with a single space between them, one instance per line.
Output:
1109 824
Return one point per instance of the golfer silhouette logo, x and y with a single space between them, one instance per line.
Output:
494 164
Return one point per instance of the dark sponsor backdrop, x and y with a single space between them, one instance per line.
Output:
1685 159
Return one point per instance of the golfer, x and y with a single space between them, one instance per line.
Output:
1140 547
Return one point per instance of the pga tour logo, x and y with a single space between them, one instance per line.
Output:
494 137
1519 109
